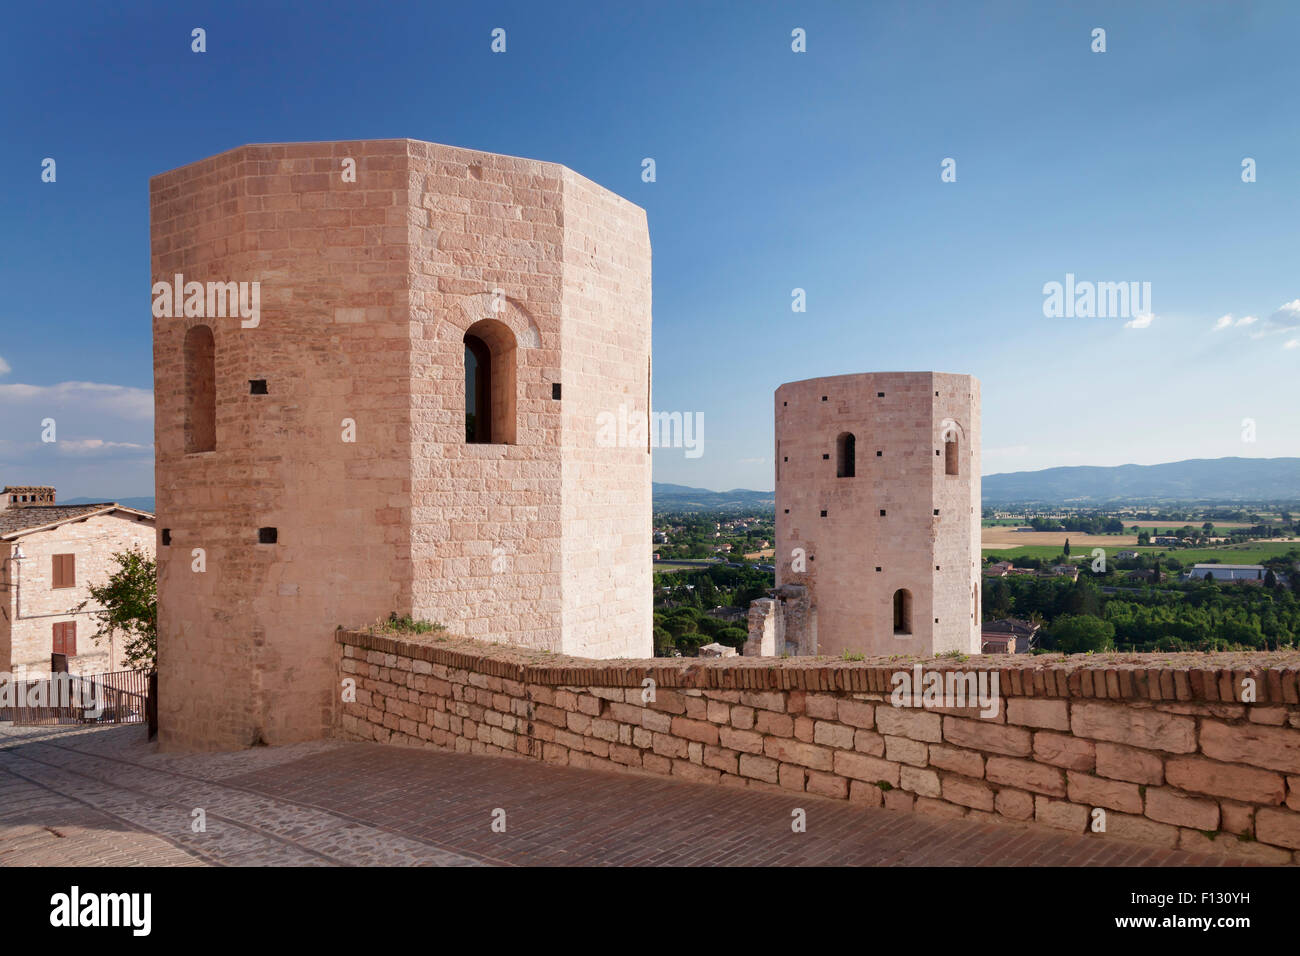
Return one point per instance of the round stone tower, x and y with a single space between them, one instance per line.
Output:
877 517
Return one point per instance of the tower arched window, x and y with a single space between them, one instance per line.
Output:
490 400
902 612
200 390
846 455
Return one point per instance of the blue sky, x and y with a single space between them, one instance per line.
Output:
775 170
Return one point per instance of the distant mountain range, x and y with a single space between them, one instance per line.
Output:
1197 479
666 498
139 504
681 498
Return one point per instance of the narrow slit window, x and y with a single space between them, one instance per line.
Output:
902 611
846 451
200 390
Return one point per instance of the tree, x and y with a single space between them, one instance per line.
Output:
1078 633
1270 580
1067 547
128 605
732 637
1082 598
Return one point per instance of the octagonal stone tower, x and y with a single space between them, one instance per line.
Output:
381 396
877 517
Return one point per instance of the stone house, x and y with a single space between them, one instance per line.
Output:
49 554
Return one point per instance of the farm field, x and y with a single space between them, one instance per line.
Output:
1006 538
670 566
1253 553
1166 526
1161 526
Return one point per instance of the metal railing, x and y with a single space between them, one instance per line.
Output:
116 698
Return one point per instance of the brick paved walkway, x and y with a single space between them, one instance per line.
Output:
103 796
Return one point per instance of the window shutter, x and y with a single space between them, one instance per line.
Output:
65 570
65 638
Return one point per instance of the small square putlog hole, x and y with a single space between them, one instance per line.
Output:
267 535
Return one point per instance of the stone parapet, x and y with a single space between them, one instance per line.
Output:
1172 749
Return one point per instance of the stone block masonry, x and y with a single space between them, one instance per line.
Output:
340 458
877 517
1169 750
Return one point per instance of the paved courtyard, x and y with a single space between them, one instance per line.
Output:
104 796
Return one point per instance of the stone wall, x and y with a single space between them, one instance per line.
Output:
1158 749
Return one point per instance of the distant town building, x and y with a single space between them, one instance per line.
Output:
49 554
717 650
1126 555
1070 571
1009 636
1246 573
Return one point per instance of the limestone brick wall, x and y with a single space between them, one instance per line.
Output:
30 605
369 286
1160 750
239 653
606 512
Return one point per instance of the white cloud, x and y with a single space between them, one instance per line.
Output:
1226 321
4 366
116 400
1292 344
1140 322
97 446
1286 318
104 438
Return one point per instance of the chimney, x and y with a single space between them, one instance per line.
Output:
25 496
